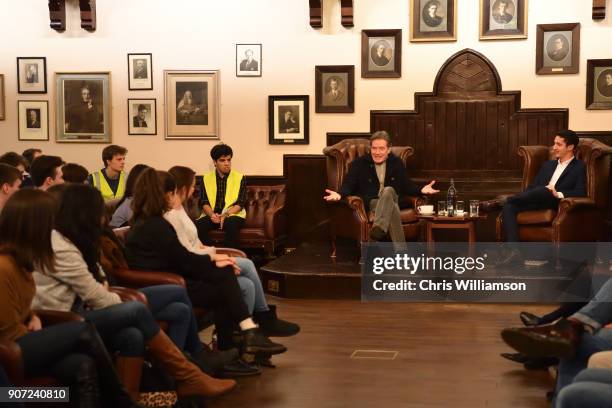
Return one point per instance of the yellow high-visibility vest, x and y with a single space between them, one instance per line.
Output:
99 182
231 192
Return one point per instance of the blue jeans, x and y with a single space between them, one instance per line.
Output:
597 313
171 304
252 290
125 327
592 388
54 350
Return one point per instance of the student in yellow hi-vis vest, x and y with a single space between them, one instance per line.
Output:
224 197
111 179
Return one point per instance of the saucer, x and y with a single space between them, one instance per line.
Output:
427 213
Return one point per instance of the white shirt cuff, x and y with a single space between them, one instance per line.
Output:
560 195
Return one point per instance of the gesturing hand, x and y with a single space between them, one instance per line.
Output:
428 189
332 196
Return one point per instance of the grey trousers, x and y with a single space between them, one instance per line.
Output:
387 214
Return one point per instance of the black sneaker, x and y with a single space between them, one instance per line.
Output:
239 368
272 326
254 341
211 362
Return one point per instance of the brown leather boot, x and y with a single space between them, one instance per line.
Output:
189 378
129 371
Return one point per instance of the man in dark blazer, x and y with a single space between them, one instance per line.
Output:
563 177
379 179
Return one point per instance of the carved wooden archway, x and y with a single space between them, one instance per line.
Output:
468 127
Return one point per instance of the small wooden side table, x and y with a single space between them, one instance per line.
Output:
465 222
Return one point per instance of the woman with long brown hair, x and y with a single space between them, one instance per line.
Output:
73 352
77 282
248 279
152 244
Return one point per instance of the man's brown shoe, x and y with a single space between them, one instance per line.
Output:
492 205
553 340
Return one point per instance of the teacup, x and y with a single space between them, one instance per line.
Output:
426 209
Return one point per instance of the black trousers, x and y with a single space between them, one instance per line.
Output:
539 198
231 227
219 290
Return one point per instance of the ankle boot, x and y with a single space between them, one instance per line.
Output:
211 362
91 343
129 371
88 392
255 342
190 380
272 326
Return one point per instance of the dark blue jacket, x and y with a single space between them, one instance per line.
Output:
361 179
572 182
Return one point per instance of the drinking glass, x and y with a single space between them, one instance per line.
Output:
441 208
474 208
460 208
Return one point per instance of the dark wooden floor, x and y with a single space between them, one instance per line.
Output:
448 356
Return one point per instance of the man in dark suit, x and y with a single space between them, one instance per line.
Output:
379 179
563 177
249 64
430 14
139 120
500 12
288 123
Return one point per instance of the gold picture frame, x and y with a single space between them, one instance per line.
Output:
503 19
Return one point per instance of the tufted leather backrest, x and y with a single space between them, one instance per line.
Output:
261 199
340 156
596 156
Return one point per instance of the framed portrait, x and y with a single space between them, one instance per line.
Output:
503 19
33 120
31 75
288 118
335 88
558 49
2 110
381 53
83 107
140 72
142 116
192 104
433 20
599 84
248 60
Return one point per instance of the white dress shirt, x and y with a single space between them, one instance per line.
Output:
558 171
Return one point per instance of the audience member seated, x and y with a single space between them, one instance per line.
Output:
248 279
379 179
123 212
46 171
74 173
10 180
19 162
573 340
224 199
72 352
111 179
557 179
30 155
77 283
152 245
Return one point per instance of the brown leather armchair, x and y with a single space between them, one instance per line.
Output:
266 222
10 352
577 218
348 217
